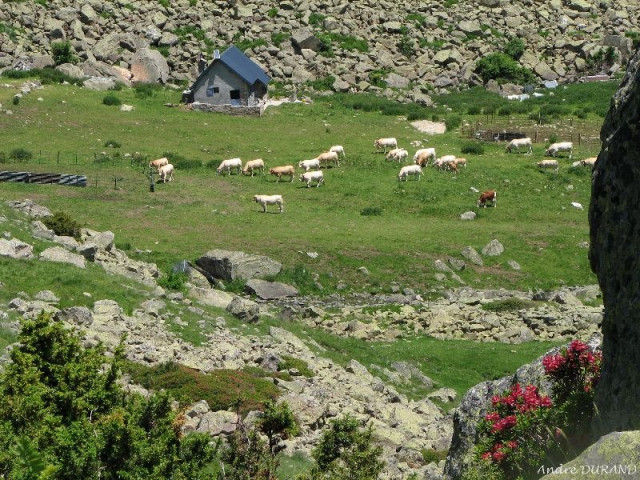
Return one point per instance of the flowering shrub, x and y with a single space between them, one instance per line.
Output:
524 429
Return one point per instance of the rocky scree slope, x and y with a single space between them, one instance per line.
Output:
410 45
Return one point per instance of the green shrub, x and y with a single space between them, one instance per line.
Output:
20 155
111 99
174 281
417 18
509 305
473 147
474 110
316 18
66 415
3 157
322 84
453 121
112 144
146 90
163 49
278 37
63 225
272 12
433 456
371 212
222 389
16 99
377 77
405 46
47 76
288 362
514 48
62 52
501 67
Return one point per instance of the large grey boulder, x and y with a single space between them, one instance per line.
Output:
244 309
211 297
614 456
62 255
81 316
270 290
149 66
15 248
27 207
614 239
305 38
230 265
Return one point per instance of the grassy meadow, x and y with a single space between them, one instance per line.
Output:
362 216
66 129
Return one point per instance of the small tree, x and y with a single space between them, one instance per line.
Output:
346 451
62 53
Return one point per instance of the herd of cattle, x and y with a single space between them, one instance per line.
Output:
312 173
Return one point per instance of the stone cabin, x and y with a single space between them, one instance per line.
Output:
232 79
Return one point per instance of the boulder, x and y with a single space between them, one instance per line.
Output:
230 265
27 207
493 248
270 290
15 248
210 296
70 70
80 316
244 309
305 38
149 66
616 455
472 255
613 217
61 255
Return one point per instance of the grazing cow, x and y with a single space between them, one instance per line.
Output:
384 143
415 170
488 196
251 165
397 155
228 165
328 157
288 170
166 171
517 143
555 148
314 176
265 200
339 149
423 156
307 165
548 164
160 162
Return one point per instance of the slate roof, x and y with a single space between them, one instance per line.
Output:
246 68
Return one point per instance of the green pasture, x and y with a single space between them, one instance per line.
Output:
66 128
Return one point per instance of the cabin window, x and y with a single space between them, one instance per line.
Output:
234 94
212 90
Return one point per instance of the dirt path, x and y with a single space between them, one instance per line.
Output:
427 126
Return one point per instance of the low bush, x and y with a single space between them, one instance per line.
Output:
112 144
473 147
509 305
62 52
222 389
501 67
453 121
63 225
525 429
111 100
174 281
146 90
288 362
371 212
20 155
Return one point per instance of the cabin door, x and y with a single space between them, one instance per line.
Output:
235 97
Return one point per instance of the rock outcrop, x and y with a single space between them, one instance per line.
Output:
614 219
231 265
369 46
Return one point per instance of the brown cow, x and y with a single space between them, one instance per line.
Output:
488 196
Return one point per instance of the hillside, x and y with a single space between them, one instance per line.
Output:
417 47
